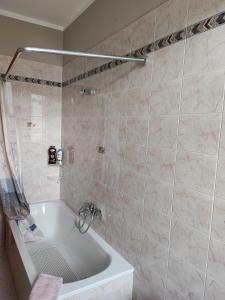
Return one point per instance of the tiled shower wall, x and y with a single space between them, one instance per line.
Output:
161 180
40 105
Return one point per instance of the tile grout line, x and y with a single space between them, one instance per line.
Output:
214 193
148 117
176 150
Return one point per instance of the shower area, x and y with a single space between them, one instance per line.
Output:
140 118
55 246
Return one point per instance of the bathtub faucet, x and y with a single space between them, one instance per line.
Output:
87 214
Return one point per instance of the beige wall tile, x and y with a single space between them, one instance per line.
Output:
135 131
170 17
218 223
168 63
163 132
161 165
158 194
201 9
130 248
156 225
114 138
203 93
214 291
135 156
199 133
196 171
189 245
119 77
154 287
111 173
153 258
132 103
133 207
172 294
192 208
222 138
204 52
165 98
140 75
184 281
216 268
220 178
130 183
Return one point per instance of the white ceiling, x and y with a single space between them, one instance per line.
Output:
57 14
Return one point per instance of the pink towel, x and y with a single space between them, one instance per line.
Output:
46 287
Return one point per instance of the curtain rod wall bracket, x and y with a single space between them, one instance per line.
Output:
21 50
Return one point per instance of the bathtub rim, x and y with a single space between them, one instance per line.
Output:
117 267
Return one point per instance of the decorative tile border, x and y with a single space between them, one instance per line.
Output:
32 80
200 27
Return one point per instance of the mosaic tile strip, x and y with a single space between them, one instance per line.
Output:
32 80
200 27
206 24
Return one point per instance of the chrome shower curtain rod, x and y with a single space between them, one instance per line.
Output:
69 53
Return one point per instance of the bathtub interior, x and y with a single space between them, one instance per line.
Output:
64 251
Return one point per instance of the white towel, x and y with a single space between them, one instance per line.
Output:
46 287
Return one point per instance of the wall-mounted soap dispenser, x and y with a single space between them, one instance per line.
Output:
52 155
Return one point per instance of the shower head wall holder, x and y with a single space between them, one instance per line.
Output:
88 91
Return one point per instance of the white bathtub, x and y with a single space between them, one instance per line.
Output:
84 261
